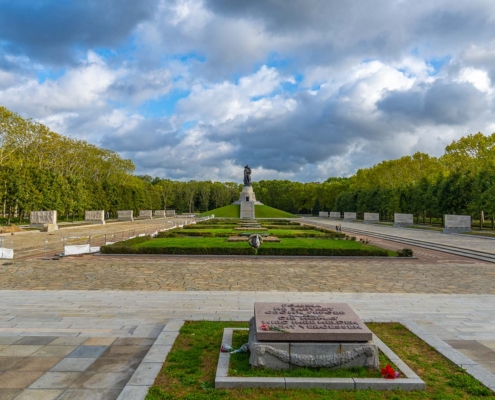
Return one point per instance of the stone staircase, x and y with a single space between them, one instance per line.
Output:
247 209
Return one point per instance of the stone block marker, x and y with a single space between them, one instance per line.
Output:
323 214
159 213
370 218
457 223
170 213
350 216
125 215
146 214
403 219
95 216
44 220
335 215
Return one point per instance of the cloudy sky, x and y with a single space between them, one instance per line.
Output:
297 89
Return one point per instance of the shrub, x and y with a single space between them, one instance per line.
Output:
181 250
274 251
404 253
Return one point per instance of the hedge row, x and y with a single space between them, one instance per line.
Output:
119 247
179 250
198 226
162 235
273 251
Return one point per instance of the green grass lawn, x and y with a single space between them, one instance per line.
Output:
270 212
230 211
189 370
222 242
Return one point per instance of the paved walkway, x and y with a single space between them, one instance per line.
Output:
461 241
91 298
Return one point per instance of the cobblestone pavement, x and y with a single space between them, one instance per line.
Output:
446 274
463 241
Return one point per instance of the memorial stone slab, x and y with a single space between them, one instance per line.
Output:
350 216
159 214
95 216
457 223
371 218
146 214
335 215
323 214
309 322
170 213
45 220
125 215
403 219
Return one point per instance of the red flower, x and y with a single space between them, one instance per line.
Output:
264 327
389 373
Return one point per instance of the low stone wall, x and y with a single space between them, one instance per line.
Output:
335 215
159 214
457 223
350 216
95 216
44 220
370 218
323 214
170 213
146 214
125 215
403 219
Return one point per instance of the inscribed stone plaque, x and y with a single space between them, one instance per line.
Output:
94 215
323 214
170 213
458 222
309 322
126 215
159 213
43 217
403 218
145 214
371 217
334 214
350 215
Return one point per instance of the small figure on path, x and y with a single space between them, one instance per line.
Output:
247 176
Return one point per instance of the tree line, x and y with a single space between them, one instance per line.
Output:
461 181
42 170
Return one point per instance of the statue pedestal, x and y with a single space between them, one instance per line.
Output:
247 201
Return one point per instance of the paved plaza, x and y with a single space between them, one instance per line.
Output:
53 314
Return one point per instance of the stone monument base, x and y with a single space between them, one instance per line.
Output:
331 355
45 227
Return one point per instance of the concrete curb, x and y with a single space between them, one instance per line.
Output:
223 381
143 378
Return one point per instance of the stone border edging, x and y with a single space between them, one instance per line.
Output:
144 376
471 367
223 381
255 257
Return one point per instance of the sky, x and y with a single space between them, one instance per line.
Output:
298 89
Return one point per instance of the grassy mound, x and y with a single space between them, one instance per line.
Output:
231 211
270 212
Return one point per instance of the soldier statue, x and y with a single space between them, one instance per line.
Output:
247 176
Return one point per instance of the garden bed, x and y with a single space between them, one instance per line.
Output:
189 371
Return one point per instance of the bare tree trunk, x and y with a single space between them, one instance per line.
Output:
10 213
